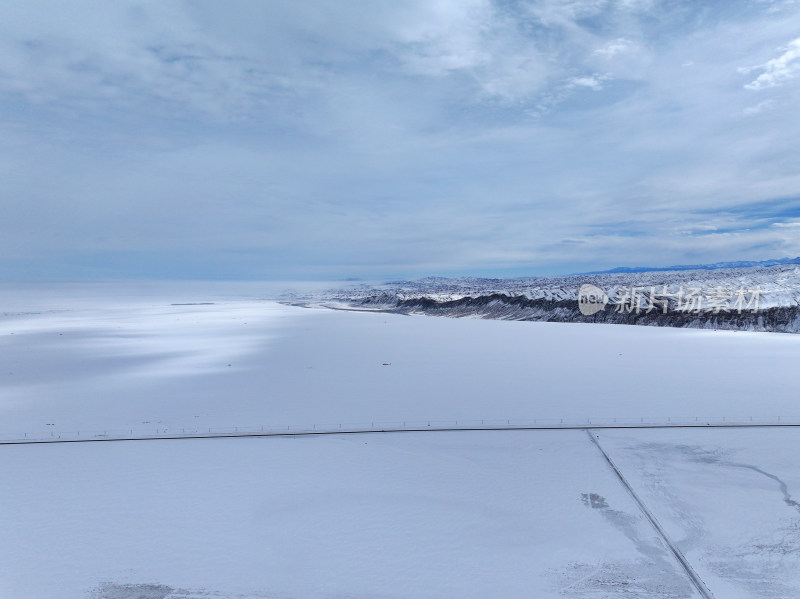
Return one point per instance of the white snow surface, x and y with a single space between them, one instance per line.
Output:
431 514
461 515
143 364
729 498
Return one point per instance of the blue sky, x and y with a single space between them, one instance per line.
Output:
330 139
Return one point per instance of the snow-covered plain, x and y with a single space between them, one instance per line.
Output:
467 514
730 498
433 514
153 363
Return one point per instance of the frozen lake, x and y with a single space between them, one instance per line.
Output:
434 514
194 360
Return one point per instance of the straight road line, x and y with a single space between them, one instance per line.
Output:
307 433
684 563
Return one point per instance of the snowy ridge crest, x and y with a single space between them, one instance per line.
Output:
753 298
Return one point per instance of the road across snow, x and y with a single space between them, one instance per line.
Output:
408 515
450 514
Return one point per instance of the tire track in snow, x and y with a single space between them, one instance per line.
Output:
698 583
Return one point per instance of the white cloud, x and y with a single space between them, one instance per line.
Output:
615 47
778 70
387 134
594 82
92 57
444 36
474 40
759 108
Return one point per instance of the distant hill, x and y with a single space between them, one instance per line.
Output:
742 296
714 266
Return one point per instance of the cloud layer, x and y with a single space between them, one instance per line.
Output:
322 139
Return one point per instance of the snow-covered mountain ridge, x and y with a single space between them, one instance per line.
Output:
753 298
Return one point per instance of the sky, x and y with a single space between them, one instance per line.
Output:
381 139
